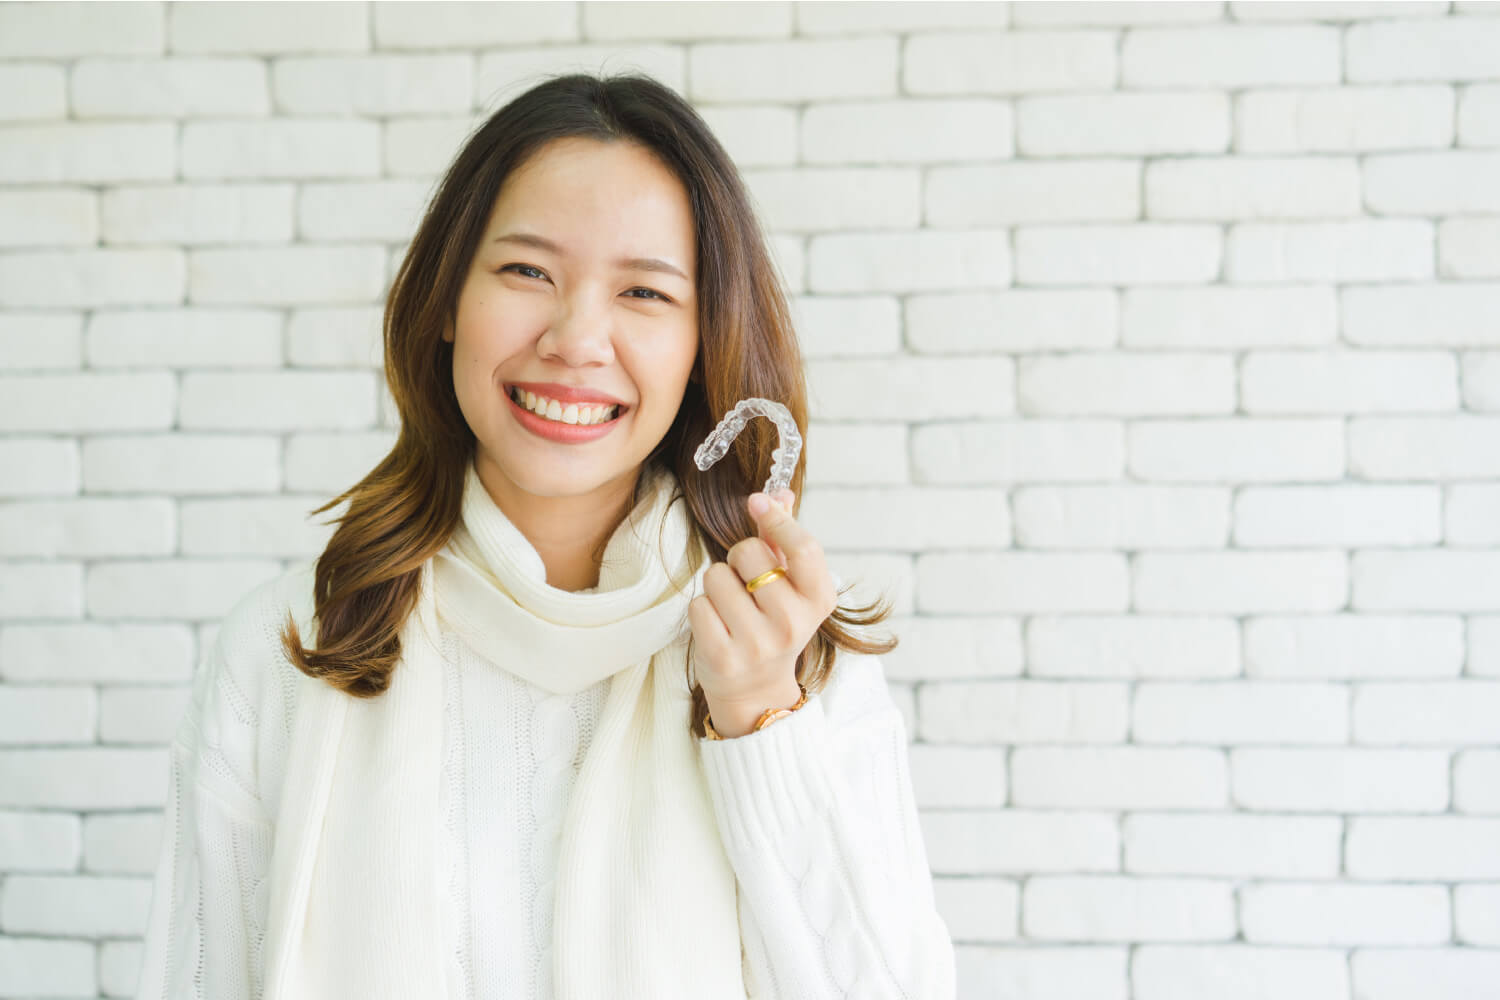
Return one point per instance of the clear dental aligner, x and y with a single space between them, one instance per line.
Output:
783 459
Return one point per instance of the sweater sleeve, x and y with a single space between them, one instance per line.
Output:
819 821
208 903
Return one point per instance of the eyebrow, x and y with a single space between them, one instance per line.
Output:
629 263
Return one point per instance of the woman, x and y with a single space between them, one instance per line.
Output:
576 724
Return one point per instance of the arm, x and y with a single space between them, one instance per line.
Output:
208 903
820 824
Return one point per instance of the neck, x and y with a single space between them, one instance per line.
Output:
568 532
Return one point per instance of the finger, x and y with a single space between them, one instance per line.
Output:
707 627
799 550
742 614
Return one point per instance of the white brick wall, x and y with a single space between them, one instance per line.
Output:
1155 364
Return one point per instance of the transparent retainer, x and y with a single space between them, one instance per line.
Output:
783 458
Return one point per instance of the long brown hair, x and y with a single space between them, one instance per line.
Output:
403 511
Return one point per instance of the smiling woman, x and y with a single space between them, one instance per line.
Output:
465 752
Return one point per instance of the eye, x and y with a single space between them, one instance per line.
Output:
518 268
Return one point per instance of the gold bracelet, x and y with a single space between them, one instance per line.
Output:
767 717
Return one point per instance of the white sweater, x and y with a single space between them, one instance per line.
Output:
816 888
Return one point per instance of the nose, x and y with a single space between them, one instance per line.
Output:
580 334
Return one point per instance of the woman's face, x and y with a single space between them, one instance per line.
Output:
580 314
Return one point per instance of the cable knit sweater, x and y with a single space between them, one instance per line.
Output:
835 896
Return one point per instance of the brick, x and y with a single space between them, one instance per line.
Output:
84 778
198 214
33 92
1476 781
1085 13
1431 973
1451 314
1231 188
1144 253
1364 250
335 338
281 526
629 21
184 338
958 776
1478 123
1436 183
85 402
1424 448
40 590
796 69
1230 57
119 967
1104 908
1437 848
1234 845
1422 49
96 652
1228 317
755 135
46 714
1240 583
190 589
1476 914
1009 712
1236 449
42 966
41 340
910 388
374 85
75 905
73 152
1021 582
38 841
918 261
1120 517
1077 971
1332 10
1237 972
62 30
1343 516
1000 451
1481 380
1363 381
959 648
917 131
92 526
286 275
819 199
1413 712
907 518
844 453
1119 778
1131 646
92 278
996 842
1343 119
122 843
1023 319
1325 915
979 909
254 28
331 463
505 73
1236 712
281 400
1121 384
1123 124
467 25
38 466
1005 62
374 210
182 463
141 714
289 149
1466 247
1339 780
42 218
1440 580
1092 190
1354 646
169 88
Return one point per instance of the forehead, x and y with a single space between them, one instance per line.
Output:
598 200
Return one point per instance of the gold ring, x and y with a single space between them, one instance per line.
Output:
764 578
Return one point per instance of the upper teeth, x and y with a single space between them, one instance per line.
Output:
572 413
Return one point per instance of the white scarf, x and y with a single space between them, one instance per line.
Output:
645 905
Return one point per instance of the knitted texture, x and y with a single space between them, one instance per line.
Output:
816 813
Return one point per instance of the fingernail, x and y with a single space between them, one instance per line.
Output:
759 503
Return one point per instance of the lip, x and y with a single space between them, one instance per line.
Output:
567 393
562 433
